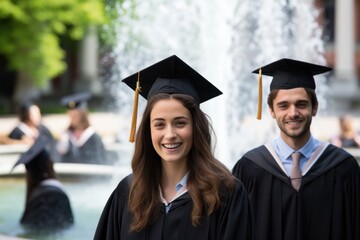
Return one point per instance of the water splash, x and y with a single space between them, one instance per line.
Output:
264 31
224 42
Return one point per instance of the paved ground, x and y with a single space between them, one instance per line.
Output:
3 237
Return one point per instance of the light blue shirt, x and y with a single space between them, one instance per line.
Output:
179 187
284 152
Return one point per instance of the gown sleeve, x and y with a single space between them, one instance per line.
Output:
110 222
16 133
351 202
235 219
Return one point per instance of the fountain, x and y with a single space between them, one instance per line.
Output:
224 42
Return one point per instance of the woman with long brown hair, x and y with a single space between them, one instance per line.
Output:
177 190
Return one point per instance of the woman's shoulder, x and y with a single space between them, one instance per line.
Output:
124 185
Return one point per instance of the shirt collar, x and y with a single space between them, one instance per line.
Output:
306 150
182 182
180 189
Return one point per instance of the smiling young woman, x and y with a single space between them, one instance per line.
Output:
177 190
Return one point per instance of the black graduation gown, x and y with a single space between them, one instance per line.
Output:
91 152
231 221
17 133
47 208
326 207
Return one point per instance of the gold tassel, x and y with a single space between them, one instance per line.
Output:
259 110
135 109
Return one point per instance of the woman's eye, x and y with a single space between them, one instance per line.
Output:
180 123
158 124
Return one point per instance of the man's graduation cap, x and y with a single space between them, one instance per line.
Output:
36 154
78 100
170 75
287 74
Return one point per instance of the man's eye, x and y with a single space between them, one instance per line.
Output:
302 105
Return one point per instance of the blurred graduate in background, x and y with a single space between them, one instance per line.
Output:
47 205
30 124
80 143
348 136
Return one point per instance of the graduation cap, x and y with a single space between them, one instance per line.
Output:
25 106
287 74
170 75
36 154
78 100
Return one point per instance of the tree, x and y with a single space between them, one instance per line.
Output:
30 34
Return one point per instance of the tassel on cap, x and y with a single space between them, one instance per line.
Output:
259 110
135 110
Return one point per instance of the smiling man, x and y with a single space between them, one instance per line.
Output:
299 187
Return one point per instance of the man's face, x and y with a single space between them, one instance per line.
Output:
293 113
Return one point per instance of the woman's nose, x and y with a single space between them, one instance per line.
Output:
170 133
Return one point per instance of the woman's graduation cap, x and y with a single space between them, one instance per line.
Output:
287 74
36 154
78 100
170 75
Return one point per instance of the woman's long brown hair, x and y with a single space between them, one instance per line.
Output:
206 174
37 171
84 122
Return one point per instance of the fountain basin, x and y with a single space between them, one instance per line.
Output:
87 189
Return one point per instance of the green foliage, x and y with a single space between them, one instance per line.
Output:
30 32
115 12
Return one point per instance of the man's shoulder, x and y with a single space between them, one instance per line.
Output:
257 151
334 157
258 155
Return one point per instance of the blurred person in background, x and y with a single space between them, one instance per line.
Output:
47 205
30 125
348 136
79 143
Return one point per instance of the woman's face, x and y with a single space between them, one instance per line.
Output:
171 126
35 115
75 117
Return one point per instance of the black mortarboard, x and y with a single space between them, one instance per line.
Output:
37 152
170 75
25 106
78 100
173 75
289 73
